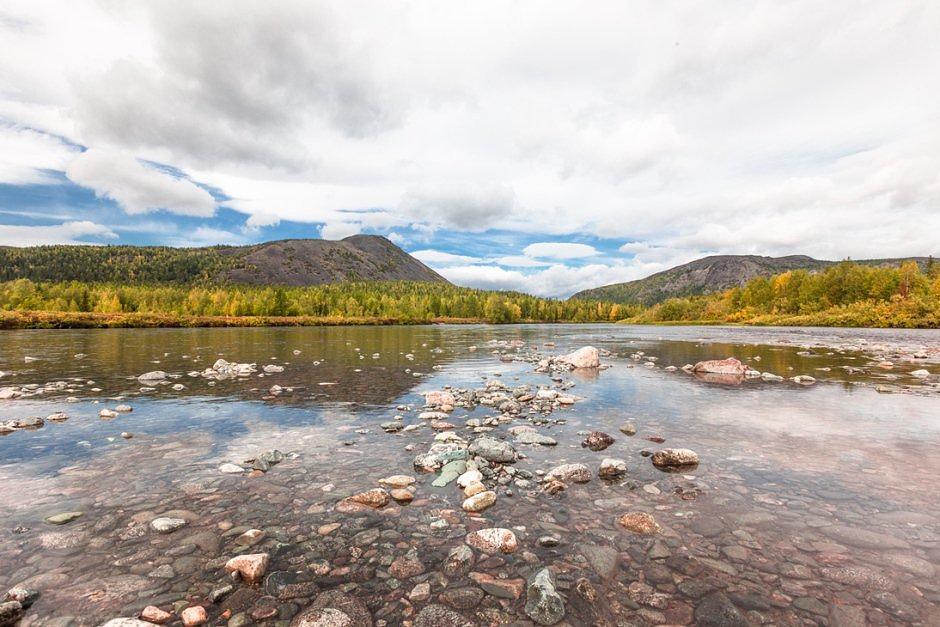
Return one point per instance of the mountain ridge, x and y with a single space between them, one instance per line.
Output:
292 262
714 273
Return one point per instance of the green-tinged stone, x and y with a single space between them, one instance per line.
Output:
451 456
64 518
450 472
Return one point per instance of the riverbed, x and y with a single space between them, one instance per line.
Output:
812 502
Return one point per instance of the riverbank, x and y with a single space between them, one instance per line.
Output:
90 320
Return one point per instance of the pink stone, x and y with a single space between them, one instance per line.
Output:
250 567
195 615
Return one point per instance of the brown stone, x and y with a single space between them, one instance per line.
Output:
251 567
639 522
194 616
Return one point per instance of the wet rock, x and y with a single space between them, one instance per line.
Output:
439 398
585 357
469 477
803 379
375 498
628 428
397 481
531 437
501 588
576 473
250 537
155 375
435 615
231 469
449 473
194 616
493 541
479 502
639 522
10 612
117 622
251 567
22 595
334 608
401 495
64 518
406 566
859 577
459 561
730 366
167 525
543 603
493 450
597 441
421 592
612 468
674 457
153 614
863 538
846 616
716 610
603 559
462 598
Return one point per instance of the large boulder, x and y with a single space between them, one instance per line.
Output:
730 366
584 357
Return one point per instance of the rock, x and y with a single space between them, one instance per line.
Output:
479 502
397 481
124 409
628 428
501 588
585 357
675 457
10 612
31 422
392 426
603 559
435 615
459 561
167 525
493 450
194 615
107 413
449 473
59 416
401 495
920 374
530 437
493 540
375 498
250 537
803 379
462 598
63 518
24 596
406 566
716 610
469 477
439 398
612 468
334 608
231 469
420 593
639 522
577 473
156 375
597 441
251 567
117 622
720 366
153 614
863 538
273 369
543 603
847 616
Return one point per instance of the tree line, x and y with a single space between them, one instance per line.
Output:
401 301
846 294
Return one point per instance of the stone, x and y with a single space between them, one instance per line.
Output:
10 612
114 622
716 610
501 588
459 561
479 502
401 495
435 615
474 488
543 603
250 537
231 469
450 472
639 522
406 566
107 413
64 518
24 596
493 541
603 559
470 476
628 428
674 457
612 468
375 498
439 398
730 366
531 437
153 614
597 441
577 473
462 598
334 608
397 481
421 592
167 525
194 616
493 450
251 567
584 357
155 375
863 538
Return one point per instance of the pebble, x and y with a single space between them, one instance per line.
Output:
251 568
493 541
167 525
640 523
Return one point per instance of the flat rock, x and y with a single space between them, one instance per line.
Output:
675 457
493 541
577 473
639 522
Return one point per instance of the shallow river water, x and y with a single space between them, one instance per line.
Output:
811 504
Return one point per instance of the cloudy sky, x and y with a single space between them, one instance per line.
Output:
542 146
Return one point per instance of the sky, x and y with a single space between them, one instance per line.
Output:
541 146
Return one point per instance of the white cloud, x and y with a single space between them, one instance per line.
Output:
685 128
559 250
66 233
439 257
339 230
137 188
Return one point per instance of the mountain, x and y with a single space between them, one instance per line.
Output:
286 262
711 274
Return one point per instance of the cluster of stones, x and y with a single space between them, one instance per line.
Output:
255 466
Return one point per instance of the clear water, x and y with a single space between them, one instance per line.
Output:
811 504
